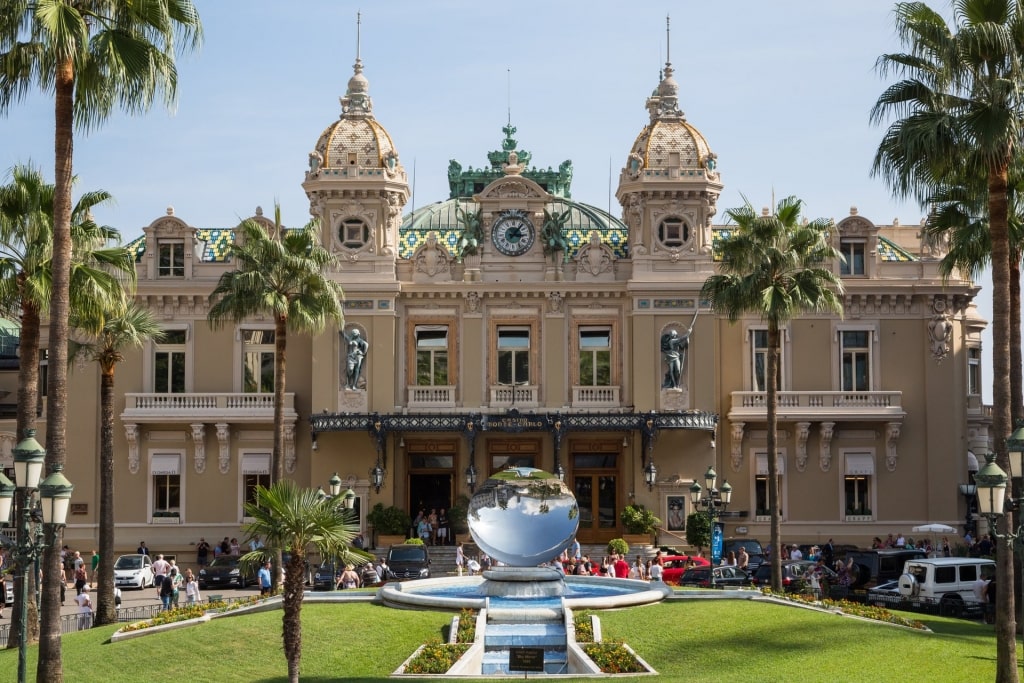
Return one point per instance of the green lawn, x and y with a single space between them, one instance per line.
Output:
698 640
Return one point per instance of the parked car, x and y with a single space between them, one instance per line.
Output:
725 577
945 581
794 575
409 561
133 571
674 565
873 567
326 576
755 552
886 595
226 571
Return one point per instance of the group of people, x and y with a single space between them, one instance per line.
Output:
369 574
472 565
433 528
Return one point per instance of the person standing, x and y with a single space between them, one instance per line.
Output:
142 549
166 592
161 568
264 578
432 520
81 578
84 603
460 558
202 552
442 527
620 567
348 578
191 588
95 568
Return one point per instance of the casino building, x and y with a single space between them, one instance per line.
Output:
512 323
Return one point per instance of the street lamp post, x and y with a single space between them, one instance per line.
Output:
55 500
711 503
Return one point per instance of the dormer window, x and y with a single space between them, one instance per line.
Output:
853 257
352 159
171 258
673 233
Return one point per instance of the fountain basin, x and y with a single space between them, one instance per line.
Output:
479 592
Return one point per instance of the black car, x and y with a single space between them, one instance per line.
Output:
873 567
755 553
325 578
725 577
795 575
226 572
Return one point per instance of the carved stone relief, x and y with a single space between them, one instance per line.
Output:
224 443
827 429
432 258
131 433
737 445
198 440
892 435
594 258
803 430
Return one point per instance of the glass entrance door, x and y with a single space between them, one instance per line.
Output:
597 497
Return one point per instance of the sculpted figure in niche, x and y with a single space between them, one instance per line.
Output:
674 347
357 348
472 232
941 331
553 234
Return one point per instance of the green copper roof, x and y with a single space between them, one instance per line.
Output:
583 219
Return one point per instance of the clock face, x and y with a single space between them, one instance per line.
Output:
513 233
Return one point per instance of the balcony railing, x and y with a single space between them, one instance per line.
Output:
228 407
595 397
427 398
523 396
819 405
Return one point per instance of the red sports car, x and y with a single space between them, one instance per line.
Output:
675 565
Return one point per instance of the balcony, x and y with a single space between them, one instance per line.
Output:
819 405
431 397
519 396
216 407
595 397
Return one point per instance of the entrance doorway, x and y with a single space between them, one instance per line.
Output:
597 497
428 491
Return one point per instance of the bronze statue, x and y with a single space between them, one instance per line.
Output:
472 232
552 234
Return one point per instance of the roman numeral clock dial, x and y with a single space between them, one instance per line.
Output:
513 233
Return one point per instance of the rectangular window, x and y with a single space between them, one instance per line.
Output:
171 259
595 356
860 469
856 360
759 361
44 373
431 355
169 363
255 473
165 471
761 507
853 257
974 371
514 356
258 361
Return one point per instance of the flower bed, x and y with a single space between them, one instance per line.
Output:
855 609
188 615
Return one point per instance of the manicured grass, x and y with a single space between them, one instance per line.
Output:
688 640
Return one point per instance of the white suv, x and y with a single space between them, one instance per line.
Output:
945 581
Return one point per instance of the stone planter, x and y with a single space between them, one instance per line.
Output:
636 539
385 540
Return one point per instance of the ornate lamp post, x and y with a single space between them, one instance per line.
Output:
650 475
55 499
711 503
471 478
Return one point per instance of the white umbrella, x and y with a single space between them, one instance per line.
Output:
934 529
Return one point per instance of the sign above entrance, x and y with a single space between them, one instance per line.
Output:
515 422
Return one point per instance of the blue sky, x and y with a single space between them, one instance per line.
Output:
781 90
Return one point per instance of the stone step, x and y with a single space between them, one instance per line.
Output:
546 634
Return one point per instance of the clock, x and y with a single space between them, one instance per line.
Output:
513 233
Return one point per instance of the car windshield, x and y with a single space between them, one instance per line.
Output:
225 562
128 563
407 554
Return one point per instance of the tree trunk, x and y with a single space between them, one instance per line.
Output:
50 668
106 608
28 399
1006 643
280 358
1016 363
292 622
771 376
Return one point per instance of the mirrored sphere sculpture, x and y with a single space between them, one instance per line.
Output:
523 517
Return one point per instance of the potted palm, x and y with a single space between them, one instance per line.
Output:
639 524
390 524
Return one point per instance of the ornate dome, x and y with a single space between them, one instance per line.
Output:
356 140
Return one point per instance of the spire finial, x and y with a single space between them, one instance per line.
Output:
359 23
356 101
668 40
508 77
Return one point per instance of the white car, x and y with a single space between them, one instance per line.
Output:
133 571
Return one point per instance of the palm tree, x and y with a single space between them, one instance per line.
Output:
93 55
26 229
777 268
282 275
130 327
959 110
289 520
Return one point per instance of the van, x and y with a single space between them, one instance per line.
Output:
945 581
755 552
408 561
872 567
